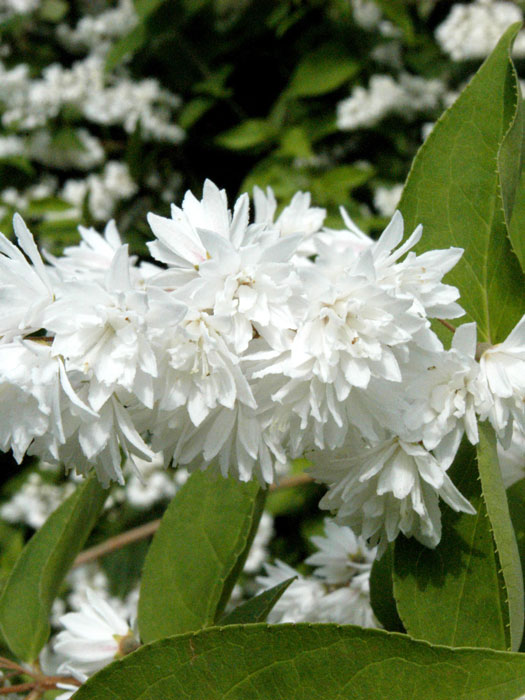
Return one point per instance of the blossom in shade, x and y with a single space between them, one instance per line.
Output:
390 487
502 368
340 554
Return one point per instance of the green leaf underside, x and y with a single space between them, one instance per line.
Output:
34 582
453 594
382 592
257 609
502 529
460 188
196 554
306 662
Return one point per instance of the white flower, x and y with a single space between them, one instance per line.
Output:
503 369
218 261
300 599
389 488
416 276
357 329
70 688
348 605
445 393
258 551
341 554
99 330
92 258
512 459
25 289
299 217
35 394
93 637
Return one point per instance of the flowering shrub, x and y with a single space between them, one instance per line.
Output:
271 356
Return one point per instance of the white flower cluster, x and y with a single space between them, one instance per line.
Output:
58 115
101 192
472 30
255 341
385 96
101 97
96 31
10 8
339 589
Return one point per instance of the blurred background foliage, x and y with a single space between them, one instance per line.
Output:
253 88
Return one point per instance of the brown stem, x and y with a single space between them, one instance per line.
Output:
143 531
7 663
447 325
20 688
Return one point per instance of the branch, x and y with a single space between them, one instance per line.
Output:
447 325
143 531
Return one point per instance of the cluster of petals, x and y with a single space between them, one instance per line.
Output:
253 338
339 589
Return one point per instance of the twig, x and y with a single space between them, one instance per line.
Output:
7 663
35 694
143 531
113 543
447 325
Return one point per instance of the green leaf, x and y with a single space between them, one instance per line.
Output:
322 71
67 139
502 529
197 554
145 8
516 501
194 110
25 602
257 608
334 186
53 10
252 132
37 207
382 592
517 223
125 47
295 143
306 662
453 594
397 11
460 189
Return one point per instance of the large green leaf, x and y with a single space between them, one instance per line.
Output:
461 188
306 662
257 609
34 582
502 529
453 594
197 554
